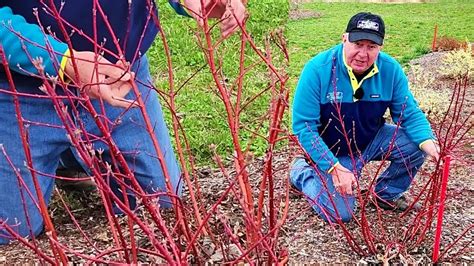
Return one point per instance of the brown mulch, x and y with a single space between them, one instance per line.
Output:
305 236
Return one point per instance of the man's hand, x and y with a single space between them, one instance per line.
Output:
230 12
431 148
343 180
100 78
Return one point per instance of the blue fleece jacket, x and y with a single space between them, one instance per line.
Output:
325 87
22 24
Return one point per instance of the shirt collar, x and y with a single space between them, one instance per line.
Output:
354 83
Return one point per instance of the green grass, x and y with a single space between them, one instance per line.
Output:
203 112
409 27
409 30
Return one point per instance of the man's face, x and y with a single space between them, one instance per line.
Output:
360 55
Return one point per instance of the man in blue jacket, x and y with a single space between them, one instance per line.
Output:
338 118
98 48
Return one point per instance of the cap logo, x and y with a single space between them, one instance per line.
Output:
367 25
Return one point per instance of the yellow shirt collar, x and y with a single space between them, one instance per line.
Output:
355 84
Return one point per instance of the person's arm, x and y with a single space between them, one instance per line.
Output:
306 120
21 40
413 120
230 12
97 76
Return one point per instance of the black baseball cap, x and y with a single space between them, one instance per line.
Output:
366 26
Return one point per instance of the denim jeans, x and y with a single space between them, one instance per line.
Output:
405 160
47 140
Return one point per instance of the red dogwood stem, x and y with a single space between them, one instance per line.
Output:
444 185
435 38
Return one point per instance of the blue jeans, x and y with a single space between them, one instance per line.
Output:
405 160
47 140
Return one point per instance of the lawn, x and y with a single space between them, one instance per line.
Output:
409 27
409 30
201 111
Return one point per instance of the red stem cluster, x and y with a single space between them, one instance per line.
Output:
189 226
174 239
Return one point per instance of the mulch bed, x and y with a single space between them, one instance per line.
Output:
305 236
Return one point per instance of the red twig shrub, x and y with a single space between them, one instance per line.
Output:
198 229
185 233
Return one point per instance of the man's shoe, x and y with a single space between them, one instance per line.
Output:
399 205
82 184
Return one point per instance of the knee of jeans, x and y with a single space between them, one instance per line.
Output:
299 172
4 239
24 229
412 150
421 155
332 216
166 203
417 157
20 213
345 215
330 213
412 154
